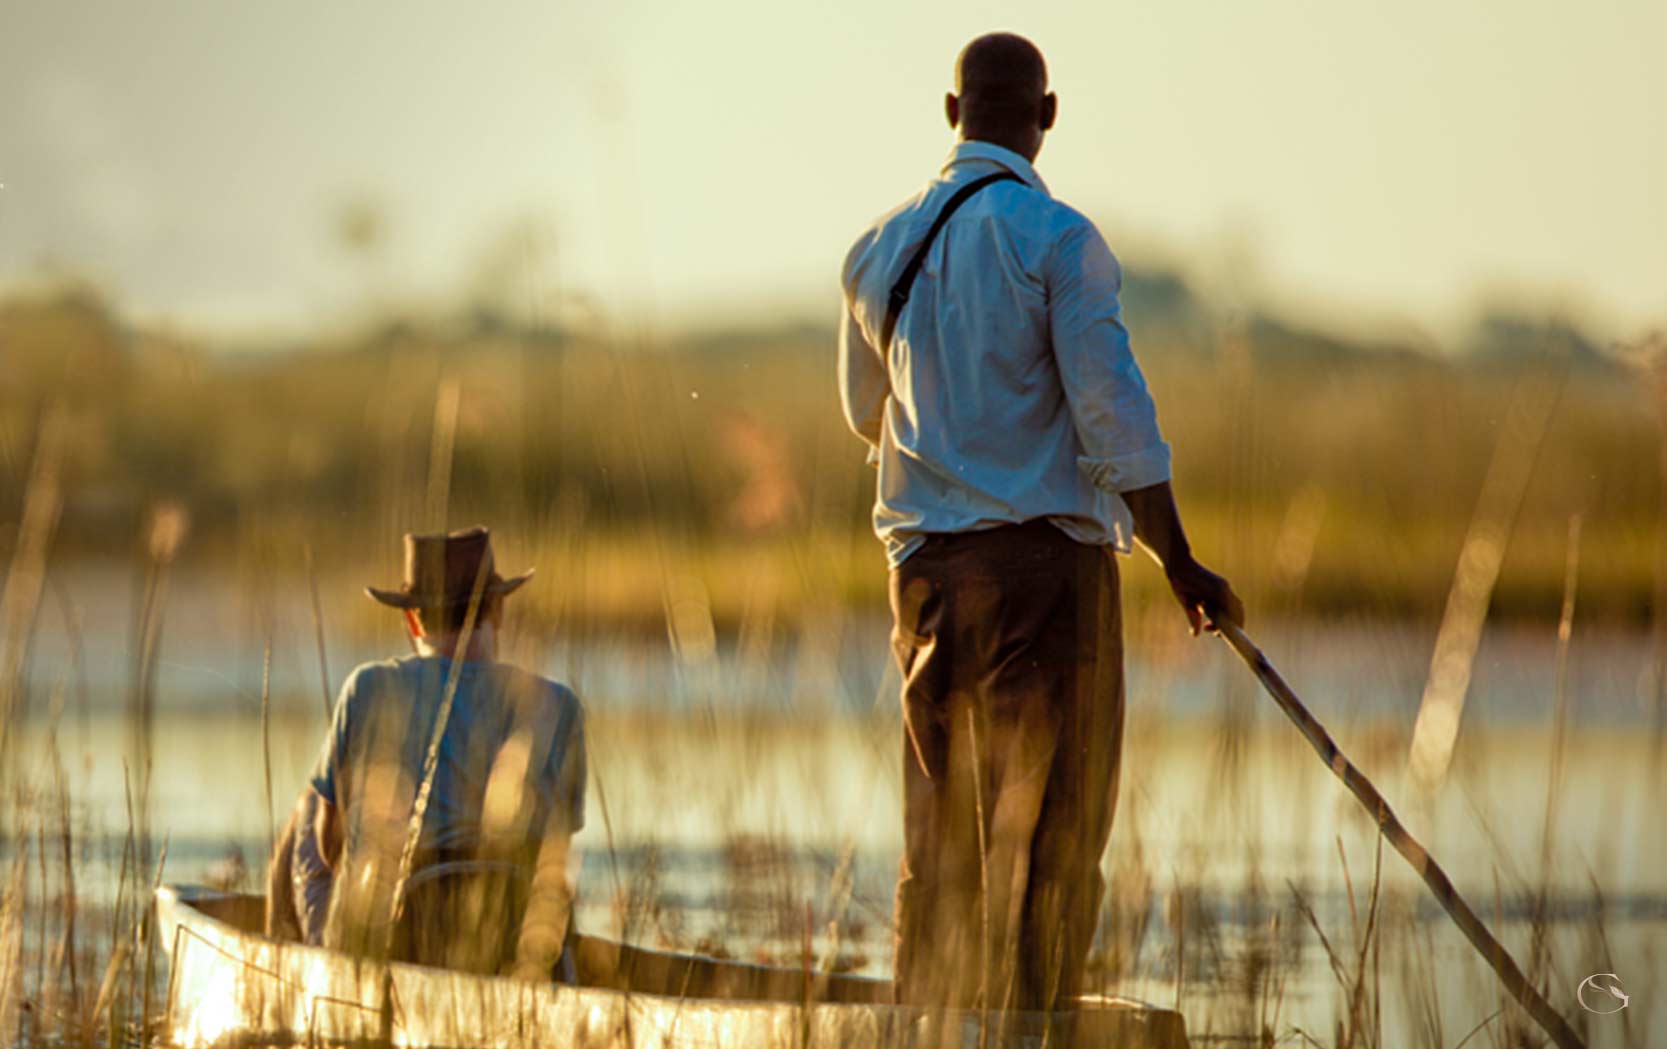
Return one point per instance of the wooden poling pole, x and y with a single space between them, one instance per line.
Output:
1510 974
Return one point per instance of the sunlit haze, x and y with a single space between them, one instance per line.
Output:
1388 164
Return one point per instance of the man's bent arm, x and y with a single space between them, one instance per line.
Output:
1157 524
549 915
328 773
1116 421
1111 408
327 829
863 382
548 919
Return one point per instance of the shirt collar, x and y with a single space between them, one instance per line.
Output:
974 149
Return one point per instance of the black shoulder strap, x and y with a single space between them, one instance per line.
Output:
900 291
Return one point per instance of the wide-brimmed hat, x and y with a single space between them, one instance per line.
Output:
441 571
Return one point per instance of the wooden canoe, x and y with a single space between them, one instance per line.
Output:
229 985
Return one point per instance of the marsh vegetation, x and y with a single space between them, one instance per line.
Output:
185 532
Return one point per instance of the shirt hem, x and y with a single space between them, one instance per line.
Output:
900 546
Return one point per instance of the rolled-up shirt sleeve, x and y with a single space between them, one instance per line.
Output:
311 878
863 383
1115 418
328 774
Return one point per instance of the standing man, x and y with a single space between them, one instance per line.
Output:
985 361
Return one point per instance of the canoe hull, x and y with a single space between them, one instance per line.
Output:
230 986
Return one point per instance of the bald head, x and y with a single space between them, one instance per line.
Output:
1001 93
1003 68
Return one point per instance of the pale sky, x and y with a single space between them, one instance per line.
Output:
1391 161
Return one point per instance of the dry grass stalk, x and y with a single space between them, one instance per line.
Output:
447 399
1539 952
20 599
1436 731
266 746
318 631
13 901
1653 357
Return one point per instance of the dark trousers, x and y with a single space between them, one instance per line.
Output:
1010 645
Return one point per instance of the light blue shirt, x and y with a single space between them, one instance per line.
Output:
513 752
1009 391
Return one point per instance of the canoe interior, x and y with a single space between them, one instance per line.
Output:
229 985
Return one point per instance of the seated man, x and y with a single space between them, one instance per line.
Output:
448 789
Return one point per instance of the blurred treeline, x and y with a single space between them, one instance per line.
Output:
1327 477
